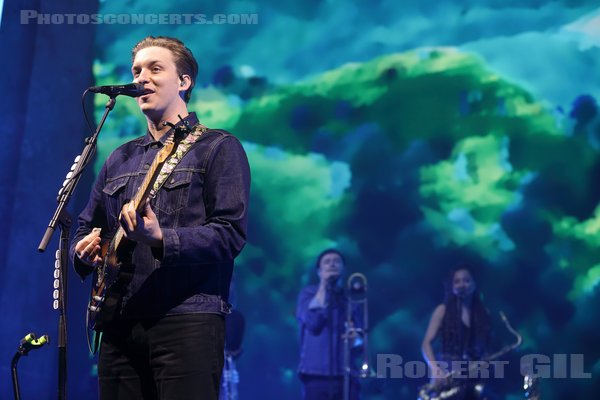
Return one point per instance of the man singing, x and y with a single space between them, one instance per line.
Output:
167 339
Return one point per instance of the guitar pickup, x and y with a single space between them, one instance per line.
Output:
98 298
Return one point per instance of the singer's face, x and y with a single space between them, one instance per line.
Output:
331 265
463 284
155 68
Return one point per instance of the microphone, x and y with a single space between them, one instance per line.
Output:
332 280
333 284
131 90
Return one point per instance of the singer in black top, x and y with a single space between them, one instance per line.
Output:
321 314
462 323
168 339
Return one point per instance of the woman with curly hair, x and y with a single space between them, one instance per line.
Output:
462 323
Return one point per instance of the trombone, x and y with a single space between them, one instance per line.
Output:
356 328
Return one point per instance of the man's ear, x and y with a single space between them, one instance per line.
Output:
184 81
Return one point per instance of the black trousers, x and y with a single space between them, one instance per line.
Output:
172 358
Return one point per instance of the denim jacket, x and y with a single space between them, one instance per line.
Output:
321 330
202 211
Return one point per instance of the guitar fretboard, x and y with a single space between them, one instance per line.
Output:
143 191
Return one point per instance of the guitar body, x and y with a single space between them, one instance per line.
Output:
109 283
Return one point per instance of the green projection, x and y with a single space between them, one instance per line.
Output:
410 161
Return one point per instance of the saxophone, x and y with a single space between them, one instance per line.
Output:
447 388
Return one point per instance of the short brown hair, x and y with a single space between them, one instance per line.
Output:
184 59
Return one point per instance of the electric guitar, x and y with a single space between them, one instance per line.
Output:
112 276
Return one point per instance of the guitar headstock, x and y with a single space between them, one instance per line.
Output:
179 132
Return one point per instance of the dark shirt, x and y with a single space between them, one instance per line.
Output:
202 211
462 342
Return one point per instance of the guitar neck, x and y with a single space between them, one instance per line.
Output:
140 197
143 192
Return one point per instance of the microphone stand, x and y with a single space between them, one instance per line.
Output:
330 305
28 343
62 219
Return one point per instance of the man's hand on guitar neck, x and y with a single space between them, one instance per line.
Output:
143 228
88 249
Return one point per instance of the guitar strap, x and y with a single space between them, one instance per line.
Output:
172 161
